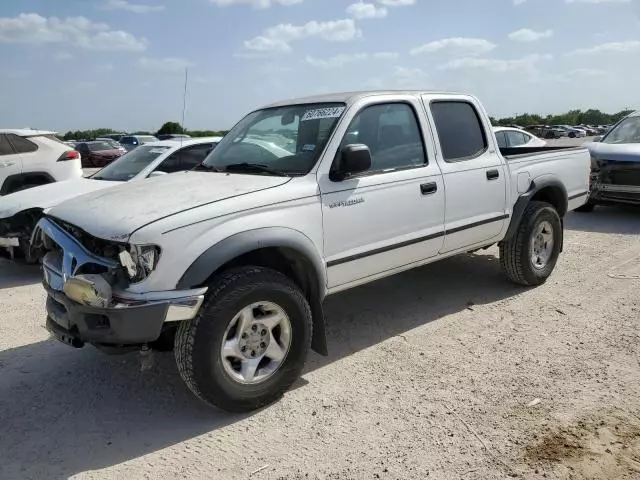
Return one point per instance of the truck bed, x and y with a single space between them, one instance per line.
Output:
517 152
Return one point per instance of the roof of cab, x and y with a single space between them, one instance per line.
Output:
351 97
26 132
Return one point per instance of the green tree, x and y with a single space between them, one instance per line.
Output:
171 128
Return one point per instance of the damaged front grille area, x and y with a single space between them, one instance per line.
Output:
71 261
616 181
97 246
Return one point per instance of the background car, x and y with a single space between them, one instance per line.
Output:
113 143
570 131
29 158
114 136
98 153
129 142
20 211
515 137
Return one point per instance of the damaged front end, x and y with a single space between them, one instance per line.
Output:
87 281
615 182
16 231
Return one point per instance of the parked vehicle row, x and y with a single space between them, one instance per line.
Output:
20 211
231 262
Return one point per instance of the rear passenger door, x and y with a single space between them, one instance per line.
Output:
32 159
10 163
474 173
390 216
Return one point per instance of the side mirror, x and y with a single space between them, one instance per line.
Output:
597 139
157 173
353 159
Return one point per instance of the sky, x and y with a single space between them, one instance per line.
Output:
81 64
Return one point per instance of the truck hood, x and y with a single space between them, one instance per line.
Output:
622 152
115 213
47 196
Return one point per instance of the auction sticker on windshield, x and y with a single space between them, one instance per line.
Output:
317 113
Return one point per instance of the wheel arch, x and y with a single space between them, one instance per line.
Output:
282 249
19 179
547 188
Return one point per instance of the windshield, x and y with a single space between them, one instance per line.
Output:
131 164
97 146
627 131
284 140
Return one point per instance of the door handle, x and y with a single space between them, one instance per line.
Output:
428 188
492 174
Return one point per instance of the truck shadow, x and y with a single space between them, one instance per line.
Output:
16 274
623 220
64 412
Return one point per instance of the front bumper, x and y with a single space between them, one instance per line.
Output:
126 318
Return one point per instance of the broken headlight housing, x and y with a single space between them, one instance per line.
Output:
139 261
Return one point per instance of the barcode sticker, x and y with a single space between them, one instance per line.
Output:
317 113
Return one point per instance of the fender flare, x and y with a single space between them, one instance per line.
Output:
244 242
545 181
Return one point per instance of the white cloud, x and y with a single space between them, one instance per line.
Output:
528 35
409 78
495 65
62 56
255 3
611 47
279 38
597 1
169 64
456 46
341 60
31 28
131 7
397 3
363 10
586 72
518 2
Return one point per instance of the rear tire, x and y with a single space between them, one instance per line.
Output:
531 255
214 351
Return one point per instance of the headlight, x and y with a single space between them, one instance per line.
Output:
139 261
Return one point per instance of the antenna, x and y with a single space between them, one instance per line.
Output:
184 99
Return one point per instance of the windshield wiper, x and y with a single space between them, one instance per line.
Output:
253 167
210 168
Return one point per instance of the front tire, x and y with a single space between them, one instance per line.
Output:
248 343
531 255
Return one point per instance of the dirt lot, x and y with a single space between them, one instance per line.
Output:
447 371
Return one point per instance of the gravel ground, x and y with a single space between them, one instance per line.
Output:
447 371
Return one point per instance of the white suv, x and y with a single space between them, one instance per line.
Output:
29 158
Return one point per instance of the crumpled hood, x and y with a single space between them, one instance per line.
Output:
115 213
47 196
622 152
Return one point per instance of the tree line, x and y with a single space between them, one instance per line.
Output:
167 128
572 117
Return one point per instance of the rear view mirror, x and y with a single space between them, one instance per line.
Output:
353 159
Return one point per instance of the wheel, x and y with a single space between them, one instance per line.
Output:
586 208
572 135
531 255
248 343
26 186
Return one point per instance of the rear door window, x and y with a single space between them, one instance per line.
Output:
22 145
460 130
516 139
5 146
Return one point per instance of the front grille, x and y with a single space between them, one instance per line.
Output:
97 246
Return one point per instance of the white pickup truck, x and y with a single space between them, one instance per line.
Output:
231 263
